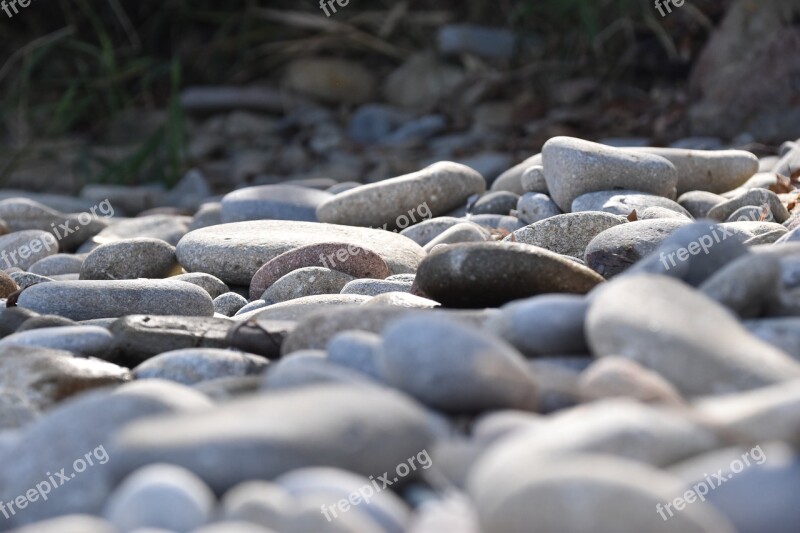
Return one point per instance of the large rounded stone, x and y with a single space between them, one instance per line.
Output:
349 259
663 324
399 202
539 495
272 202
450 367
86 341
492 274
193 365
715 171
235 252
574 167
617 249
87 300
130 259
306 427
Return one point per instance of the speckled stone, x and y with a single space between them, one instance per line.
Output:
345 258
211 284
307 281
754 197
229 304
533 207
574 167
85 300
55 265
568 234
235 252
130 259
425 232
624 202
371 287
441 187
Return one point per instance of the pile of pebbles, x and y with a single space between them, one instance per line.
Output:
572 350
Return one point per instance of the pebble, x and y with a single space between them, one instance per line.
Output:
347 261
235 252
755 197
402 299
699 203
272 202
614 377
70 230
223 447
371 287
262 503
496 222
495 203
624 202
229 304
24 248
543 325
359 351
697 360
193 365
533 180
533 207
130 259
212 285
400 202
299 308
492 274
615 250
616 495
511 179
13 317
747 286
307 368
714 171
450 367
8 285
426 231
652 213
87 300
574 167
463 232
568 234
483 41
85 341
160 496
82 523
55 265
167 228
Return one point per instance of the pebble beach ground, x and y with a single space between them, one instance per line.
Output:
603 340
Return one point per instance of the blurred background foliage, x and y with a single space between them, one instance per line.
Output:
75 68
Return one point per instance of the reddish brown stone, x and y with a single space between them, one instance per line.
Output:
7 285
348 258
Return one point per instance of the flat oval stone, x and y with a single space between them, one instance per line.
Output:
369 287
58 264
453 368
568 234
715 171
71 230
86 300
308 281
492 274
272 202
301 307
615 495
426 231
211 284
754 197
193 365
624 202
130 259
574 167
617 249
440 188
235 252
26 279
22 249
306 427
165 227
348 259
545 325
86 341
653 320
463 232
